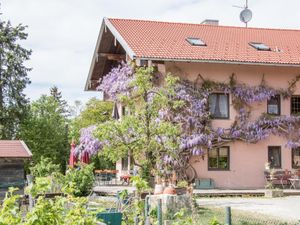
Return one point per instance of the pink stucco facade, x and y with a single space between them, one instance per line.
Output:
247 161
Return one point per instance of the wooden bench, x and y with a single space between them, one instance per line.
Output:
279 178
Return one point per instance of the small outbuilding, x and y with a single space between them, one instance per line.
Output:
13 154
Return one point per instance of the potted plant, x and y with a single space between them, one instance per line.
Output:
270 190
181 187
159 187
267 166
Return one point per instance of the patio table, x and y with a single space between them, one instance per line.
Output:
294 183
106 176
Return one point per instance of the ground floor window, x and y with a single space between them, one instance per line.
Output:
296 158
125 163
218 158
274 156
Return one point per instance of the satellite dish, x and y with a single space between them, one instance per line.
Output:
246 15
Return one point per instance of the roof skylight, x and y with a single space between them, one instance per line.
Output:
195 41
260 46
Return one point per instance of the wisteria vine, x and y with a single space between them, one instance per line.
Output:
198 134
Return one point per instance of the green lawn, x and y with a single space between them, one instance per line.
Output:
204 216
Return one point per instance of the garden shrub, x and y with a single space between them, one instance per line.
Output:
44 168
79 181
57 211
9 211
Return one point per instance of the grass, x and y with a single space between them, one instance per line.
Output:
204 216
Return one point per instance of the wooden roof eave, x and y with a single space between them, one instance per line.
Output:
106 24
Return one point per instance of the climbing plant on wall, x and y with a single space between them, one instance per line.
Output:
192 115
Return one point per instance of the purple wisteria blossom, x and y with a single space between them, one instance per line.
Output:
117 81
253 94
197 132
88 142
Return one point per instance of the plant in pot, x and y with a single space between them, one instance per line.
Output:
181 187
267 166
159 187
270 190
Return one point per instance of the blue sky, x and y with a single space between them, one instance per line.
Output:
63 33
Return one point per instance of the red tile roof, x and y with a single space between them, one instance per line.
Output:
166 40
14 149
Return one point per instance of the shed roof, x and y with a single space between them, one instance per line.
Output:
14 149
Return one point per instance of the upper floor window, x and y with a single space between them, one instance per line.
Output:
296 158
218 158
274 105
260 46
295 104
219 105
274 156
195 41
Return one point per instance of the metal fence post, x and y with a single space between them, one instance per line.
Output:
147 208
30 198
159 212
228 215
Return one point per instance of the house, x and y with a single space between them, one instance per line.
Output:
215 52
13 154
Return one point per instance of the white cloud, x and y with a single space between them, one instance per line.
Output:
63 33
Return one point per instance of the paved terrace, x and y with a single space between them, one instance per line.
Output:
113 189
286 208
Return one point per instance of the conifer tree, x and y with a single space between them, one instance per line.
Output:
13 78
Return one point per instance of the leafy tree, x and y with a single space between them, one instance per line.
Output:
13 78
76 109
45 131
94 112
141 134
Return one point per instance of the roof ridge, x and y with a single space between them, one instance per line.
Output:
206 25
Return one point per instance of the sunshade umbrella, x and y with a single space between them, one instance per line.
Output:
115 113
73 158
85 158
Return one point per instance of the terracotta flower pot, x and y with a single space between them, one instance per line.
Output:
170 191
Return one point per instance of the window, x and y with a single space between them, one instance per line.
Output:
260 46
218 158
274 105
196 41
219 105
124 111
274 156
125 163
295 104
296 158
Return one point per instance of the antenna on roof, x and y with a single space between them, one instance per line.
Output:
246 14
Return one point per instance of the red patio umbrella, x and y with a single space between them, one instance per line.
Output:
73 158
85 158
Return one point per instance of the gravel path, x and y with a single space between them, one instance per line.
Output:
287 208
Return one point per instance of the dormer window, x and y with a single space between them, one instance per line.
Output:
260 46
195 41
